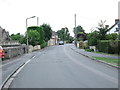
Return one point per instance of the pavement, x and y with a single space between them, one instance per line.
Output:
91 55
9 66
95 54
61 67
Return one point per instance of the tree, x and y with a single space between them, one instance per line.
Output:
47 31
64 35
18 37
93 38
103 29
38 32
81 36
42 35
78 29
33 37
70 39
80 33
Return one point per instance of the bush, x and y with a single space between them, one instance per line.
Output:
86 47
44 44
109 46
90 50
93 38
67 41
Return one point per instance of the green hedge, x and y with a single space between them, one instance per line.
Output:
44 44
109 46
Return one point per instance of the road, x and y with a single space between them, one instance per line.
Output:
61 67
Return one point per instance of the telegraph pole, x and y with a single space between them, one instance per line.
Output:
75 32
75 20
37 21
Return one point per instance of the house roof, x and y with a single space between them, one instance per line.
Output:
114 26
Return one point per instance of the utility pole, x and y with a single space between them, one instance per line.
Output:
75 32
119 19
37 21
75 20
119 10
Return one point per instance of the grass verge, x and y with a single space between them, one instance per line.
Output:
108 60
107 54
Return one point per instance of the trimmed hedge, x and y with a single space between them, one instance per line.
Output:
109 46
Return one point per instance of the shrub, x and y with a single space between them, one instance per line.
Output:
93 38
86 47
109 46
44 44
90 50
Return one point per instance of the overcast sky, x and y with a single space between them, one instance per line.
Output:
57 13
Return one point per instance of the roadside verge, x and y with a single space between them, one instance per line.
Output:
92 58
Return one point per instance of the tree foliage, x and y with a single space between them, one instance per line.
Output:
36 35
33 37
17 37
78 29
80 33
47 31
93 38
64 35
103 29
39 30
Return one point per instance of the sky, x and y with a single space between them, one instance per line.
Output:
57 13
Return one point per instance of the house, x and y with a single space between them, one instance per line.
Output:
54 39
4 35
5 38
12 48
114 28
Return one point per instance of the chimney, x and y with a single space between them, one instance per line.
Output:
116 21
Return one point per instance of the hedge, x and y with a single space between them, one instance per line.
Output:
44 44
109 46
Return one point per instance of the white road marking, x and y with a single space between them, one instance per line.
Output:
8 83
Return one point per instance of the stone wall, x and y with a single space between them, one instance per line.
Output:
35 48
6 43
11 52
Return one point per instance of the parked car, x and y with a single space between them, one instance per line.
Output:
2 54
61 42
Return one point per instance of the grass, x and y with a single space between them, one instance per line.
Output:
108 60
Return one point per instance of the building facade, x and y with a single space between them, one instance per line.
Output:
4 35
54 39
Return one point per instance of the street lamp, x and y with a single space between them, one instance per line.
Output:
26 28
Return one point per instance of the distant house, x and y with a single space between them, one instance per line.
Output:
5 38
114 28
54 39
4 35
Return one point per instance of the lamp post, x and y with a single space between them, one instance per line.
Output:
26 28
